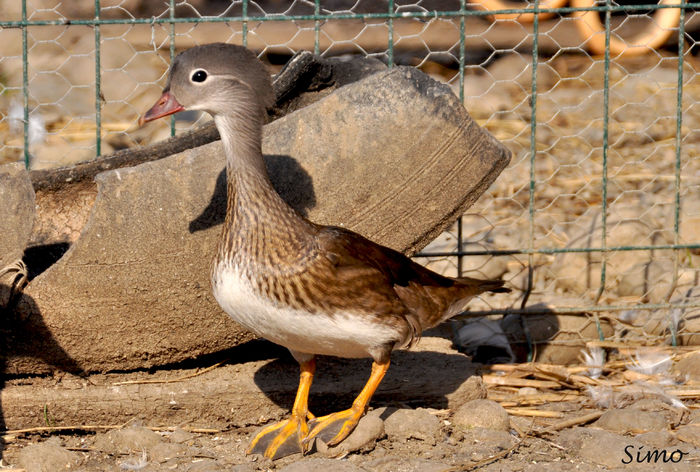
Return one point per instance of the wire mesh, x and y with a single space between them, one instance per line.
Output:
598 211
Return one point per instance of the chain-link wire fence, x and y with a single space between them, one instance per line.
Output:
599 210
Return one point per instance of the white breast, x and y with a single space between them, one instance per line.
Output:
342 334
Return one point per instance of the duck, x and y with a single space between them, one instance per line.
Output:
314 289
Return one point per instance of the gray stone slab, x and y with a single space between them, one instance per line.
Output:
16 222
16 212
394 156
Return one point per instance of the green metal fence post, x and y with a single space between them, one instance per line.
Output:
25 84
677 171
98 83
171 36
390 40
533 155
244 29
317 27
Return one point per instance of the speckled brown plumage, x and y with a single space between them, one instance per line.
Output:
314 289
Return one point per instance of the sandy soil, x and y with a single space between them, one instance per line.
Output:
427 415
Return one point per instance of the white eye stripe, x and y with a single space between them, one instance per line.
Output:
236 79
203 75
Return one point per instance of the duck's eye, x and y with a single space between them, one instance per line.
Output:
199 76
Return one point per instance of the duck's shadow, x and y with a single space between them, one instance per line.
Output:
415 378
24 333
289 179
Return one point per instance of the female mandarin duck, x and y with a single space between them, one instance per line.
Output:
313 289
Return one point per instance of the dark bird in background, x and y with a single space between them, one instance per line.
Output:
313 289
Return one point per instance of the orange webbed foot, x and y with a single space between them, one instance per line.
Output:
334 428
287 437
281 439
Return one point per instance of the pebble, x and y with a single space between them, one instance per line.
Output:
180 436
657 439
631 421
321 465
163 451
694 416
489 441
472 389
46 457
674 415
689 433
404 424
619 452
205 465
688 367
127 440
481 414
364 436
402 464
246 467
597 446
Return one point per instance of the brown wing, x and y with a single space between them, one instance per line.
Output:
427 296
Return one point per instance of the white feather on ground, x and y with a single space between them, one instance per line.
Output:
651 363
135 464
595 359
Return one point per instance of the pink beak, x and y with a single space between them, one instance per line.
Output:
166 105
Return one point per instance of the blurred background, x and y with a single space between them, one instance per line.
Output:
599 210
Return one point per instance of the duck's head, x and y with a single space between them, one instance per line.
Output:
219 78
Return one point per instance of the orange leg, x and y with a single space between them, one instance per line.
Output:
285 438
335 427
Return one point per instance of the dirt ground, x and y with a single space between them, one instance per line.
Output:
428 415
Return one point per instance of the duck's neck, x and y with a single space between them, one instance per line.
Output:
242 140
258 223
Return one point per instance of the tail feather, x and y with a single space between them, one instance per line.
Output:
433 304
492 285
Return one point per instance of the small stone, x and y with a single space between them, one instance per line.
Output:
673 414
472 389
45 457
205 465
321 465
694 416
481 414
489 439
689 433
403 424
180 436
688 367
597 446
247 467
622 452
656 439
127 440
405 464
163 451
631 421
368 430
